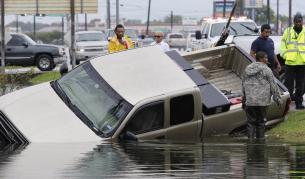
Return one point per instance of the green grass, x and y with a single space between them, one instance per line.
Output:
292 129
44 77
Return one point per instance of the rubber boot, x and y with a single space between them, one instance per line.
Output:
260 132
251 131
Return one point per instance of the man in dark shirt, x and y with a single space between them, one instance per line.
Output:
266 44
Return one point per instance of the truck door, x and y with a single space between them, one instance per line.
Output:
148 121
18 51
182 122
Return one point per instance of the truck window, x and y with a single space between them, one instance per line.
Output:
181 109
148 118
176 36
16 41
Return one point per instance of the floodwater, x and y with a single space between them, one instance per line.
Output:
215 158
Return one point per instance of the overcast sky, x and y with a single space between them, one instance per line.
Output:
137 9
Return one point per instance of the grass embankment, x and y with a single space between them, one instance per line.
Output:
44 77
292 129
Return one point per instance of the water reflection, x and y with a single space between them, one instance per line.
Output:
154 159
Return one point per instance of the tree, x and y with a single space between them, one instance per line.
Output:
177 19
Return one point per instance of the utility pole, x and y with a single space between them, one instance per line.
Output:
117 12
289 23
172 20
224 8
34 27
268 12
62 30
277 16
72 12
2 37
148 16
17 23
86 22
108 15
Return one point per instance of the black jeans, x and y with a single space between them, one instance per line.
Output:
256 121
295 75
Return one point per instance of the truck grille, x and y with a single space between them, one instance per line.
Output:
9 133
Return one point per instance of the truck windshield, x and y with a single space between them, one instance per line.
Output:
93 100
236 28
90 37
29 40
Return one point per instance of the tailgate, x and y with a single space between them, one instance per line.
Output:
274 111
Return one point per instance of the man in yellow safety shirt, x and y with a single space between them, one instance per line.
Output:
293 52
119 42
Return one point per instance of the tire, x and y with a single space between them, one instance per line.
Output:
45 62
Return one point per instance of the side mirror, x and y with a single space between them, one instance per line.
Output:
142 37
198 35
63 69
25 44
127 135
256 30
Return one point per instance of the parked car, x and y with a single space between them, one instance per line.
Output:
176 40
22 50
145 40
131 33
90 44
140 93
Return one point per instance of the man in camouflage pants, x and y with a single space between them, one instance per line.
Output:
258 85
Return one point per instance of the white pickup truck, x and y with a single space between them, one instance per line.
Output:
242 33
211 29
140 93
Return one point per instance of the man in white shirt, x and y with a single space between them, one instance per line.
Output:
159 41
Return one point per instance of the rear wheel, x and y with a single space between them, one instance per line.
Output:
45 62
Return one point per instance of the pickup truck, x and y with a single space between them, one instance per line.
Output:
211 30
176 40
22 50
88 44
140 93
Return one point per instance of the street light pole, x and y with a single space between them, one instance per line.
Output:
108 15
148 16
117 12
268 12
2 37
34 27
224 8
17 23
72 11
289 13
277 16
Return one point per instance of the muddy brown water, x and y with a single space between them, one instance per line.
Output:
212 158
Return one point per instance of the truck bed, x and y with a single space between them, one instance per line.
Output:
222 67
225 79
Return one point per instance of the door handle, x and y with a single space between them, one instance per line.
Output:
9 49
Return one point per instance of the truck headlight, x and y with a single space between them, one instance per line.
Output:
80 49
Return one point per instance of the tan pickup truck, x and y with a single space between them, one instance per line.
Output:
141 93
